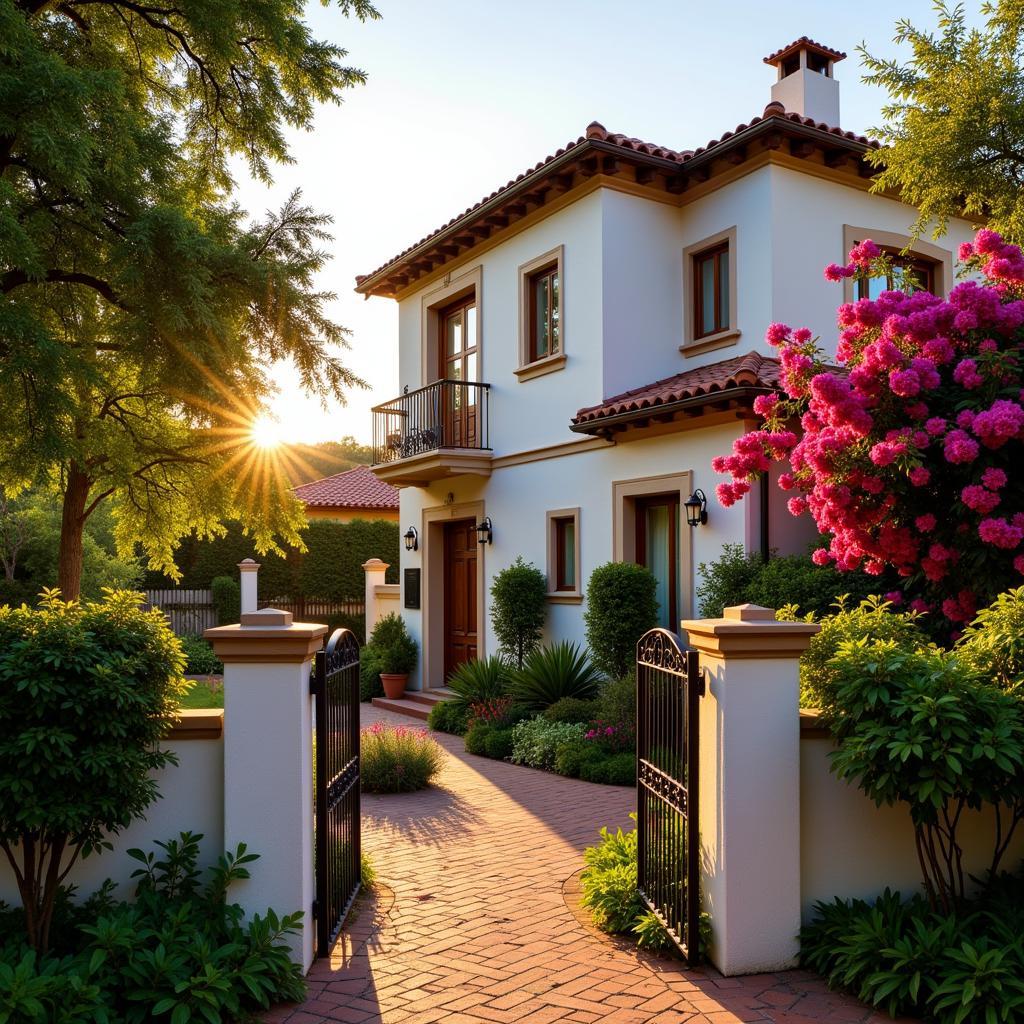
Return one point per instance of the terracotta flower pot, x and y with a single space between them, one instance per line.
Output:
394 684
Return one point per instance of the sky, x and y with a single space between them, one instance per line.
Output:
463 95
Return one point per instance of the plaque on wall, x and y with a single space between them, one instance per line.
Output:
412 588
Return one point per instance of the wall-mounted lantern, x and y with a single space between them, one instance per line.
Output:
485 531
412 539
696 506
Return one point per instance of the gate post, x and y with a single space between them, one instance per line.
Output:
749 797
376 573
268 761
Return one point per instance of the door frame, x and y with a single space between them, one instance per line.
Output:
432 532
624 493
465 529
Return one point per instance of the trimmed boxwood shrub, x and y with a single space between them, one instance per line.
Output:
226 593
614 770
572 709
573 754
621 607
518 609
449 716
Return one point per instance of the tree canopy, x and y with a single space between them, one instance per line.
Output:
142 309
953 133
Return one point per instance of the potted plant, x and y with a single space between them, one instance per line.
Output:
398 656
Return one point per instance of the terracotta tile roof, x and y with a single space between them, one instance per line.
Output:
804 42
598 138
355 488
752 370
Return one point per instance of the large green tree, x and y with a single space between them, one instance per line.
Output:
953 133
141 311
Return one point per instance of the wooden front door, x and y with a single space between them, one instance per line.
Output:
657 547
459 362
460 625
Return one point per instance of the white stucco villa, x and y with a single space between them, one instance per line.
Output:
576 348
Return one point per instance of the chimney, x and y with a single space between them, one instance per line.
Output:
806 84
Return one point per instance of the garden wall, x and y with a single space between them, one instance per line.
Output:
853 849
192 800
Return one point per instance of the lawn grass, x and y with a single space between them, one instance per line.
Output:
205 693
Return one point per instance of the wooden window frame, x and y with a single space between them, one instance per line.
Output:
532 282
717 254
912 260
673 500
569 592
529 365
941 259
446 294
695 342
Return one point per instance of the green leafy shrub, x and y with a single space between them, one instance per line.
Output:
621 607
572 755
535 742
993 644
486 740
476 738
105 678
518 609
571 709
482 679
610 769
872 618
178 952
552 673
397 758
914 728
390 649
226 594
199 657
736 577
371 663
906 959
449 716
616 700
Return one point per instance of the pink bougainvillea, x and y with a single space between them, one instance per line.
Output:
902 451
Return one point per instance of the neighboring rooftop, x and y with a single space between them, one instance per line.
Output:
730 383
355 488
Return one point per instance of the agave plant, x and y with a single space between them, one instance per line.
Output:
479 681
551 673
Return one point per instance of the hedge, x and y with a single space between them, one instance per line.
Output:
330 570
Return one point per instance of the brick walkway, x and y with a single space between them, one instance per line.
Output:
470 923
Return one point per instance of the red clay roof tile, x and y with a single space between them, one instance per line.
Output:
355 488
810 44
750 370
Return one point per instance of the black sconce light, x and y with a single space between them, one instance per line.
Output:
696 506
485 531
412 539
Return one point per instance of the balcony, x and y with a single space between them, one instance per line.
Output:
438 431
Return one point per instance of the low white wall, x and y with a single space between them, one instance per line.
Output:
192 800
853 849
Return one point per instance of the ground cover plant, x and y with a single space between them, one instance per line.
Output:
177 952
397 758
907 453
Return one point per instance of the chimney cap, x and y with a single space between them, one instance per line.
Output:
804 43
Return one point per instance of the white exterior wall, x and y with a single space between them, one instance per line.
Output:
192 800
808 214
852 849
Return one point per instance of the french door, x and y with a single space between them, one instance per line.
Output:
459 360
657 547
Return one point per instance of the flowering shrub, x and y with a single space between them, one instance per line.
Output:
615 737
397 758
905 451
497 712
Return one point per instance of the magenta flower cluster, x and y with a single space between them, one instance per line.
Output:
901 452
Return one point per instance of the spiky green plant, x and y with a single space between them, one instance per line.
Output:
483 679
551 673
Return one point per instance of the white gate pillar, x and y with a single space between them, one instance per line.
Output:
749 796
376 573
248 570
268 761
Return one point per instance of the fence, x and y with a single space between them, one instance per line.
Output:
190 611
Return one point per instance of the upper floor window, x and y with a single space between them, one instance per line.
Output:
541 315
909 272
711 290
458 334
545 302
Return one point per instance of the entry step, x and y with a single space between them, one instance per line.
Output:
414 703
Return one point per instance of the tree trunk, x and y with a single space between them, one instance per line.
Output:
72 528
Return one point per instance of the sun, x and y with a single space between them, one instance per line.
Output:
265 432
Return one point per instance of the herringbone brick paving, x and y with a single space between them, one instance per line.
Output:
470 924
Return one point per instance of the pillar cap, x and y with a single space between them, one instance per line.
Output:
749 631
267 617
375 564
248 565
269 643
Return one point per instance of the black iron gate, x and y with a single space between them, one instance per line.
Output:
669 687
335 684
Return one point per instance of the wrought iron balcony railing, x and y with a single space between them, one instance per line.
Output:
445 414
